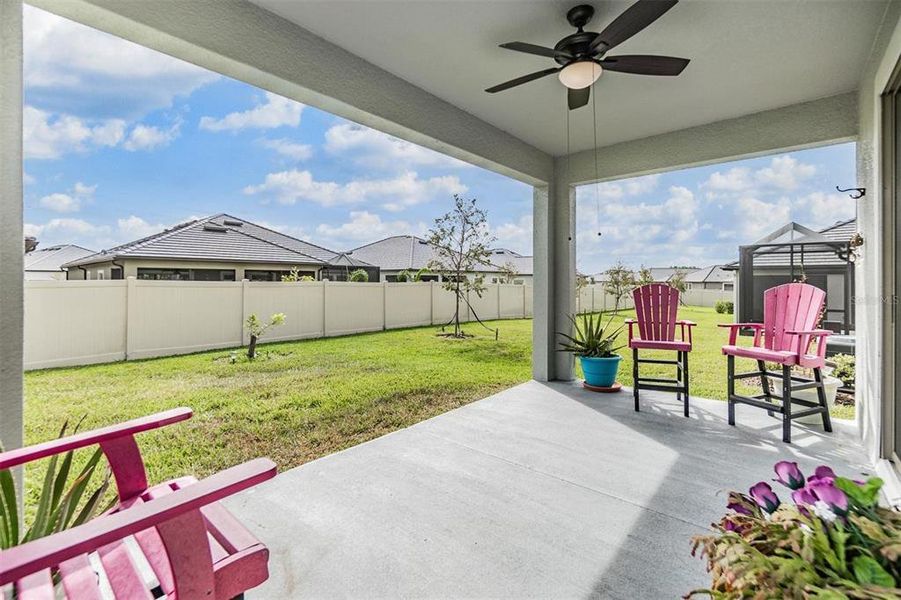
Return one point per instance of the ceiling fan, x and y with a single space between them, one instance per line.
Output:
583 55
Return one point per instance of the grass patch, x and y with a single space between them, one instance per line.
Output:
302 400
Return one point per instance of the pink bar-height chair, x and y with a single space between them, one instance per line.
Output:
194 547
656 305
790 316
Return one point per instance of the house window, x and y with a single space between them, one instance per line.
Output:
99 274
115 273
187 274
275 275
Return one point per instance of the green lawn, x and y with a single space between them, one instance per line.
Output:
302 400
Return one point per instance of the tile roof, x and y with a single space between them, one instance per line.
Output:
711 274
53 258
401 252
815 252
219 238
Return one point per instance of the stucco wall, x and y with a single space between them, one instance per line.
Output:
871 296
132 266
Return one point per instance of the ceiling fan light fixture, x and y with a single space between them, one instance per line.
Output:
580 74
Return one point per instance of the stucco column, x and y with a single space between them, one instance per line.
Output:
554 250
11 244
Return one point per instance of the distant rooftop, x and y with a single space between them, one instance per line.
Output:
220 238
52 258
400 252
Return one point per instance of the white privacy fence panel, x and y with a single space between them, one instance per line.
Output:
83 322
74 322
593 298
707 297
175 317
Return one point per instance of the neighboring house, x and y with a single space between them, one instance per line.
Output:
794 252
658 274
410 253
217 248
714 277
47 263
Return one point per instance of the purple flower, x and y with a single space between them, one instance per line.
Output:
822 474
738 507
826 492
803 496
764 496
789 475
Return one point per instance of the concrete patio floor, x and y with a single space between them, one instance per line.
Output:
542 490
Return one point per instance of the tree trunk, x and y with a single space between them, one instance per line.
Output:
252 348
457 314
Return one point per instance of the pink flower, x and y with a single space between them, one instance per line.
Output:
764 496
789 475
803 496
833 497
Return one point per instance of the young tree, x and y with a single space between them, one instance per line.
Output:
508 272
619 281
644 277
460 240
257 328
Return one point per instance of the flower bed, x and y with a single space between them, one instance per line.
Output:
831 541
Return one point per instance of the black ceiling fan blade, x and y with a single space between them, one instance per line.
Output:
578 98
521 80
533 49
645 64
634 19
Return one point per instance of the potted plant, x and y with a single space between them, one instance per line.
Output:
594 344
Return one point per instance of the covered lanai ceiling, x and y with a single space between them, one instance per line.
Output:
747 56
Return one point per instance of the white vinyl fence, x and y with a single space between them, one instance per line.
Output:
593 298
84 322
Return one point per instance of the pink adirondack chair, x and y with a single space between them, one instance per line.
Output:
786 336
656 305
194 546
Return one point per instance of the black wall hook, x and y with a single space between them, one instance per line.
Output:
855 193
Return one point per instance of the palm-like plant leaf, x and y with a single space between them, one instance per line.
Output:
591 337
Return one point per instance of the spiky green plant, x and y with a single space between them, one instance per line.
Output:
60 504
592 339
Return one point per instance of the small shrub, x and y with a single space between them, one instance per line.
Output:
844 368
359 275
256 329
725 307
404 277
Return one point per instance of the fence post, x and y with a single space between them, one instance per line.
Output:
384 305
244 303
524 292
498 300
324 321
432 301
130 316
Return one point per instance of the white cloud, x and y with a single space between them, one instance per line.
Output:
69 202
134 228
515 235
79 70
395 194
363 227
736 179
375 149
288 148
50 136
614 190
756 217
58 202
276 112
27 179
826 209
785 173
147 137
65 227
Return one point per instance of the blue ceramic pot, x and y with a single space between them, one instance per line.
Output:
600 372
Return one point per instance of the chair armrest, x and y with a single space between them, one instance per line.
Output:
734 327
684 322
629 321
48 552
812 332
19 456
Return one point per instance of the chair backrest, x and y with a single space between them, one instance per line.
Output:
655 311
790 307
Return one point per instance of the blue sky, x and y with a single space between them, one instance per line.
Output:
122 141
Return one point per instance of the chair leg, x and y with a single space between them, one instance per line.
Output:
679 375
635 376
821 395
786 404
730 384
765 384
685 382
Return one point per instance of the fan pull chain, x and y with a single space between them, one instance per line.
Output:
597 184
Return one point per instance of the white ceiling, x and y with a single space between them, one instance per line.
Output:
746 56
